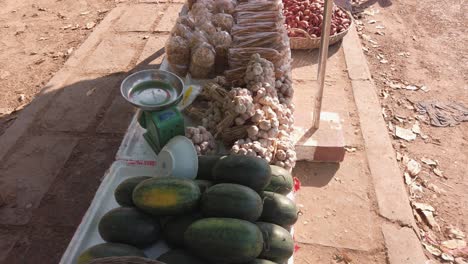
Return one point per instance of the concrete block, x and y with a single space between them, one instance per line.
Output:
113 54
117 116
138 18
74 187
153 53
22 123
388 180
168 20
78 105
336 208
355 61
95 38
403 246
304 64
28 173
327 143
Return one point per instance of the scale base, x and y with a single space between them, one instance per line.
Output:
161 126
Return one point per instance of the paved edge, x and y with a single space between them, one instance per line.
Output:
401 245
392 198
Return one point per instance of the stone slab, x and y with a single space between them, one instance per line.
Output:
138 18
304 64
162 1
317 254
153 53
70 194
167 22
28 173
43 244
356 62
8 241
95 38
117 116
27 115
325 144
113 54
76 108
403 246
336 208
388 180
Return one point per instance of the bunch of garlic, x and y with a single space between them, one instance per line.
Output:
241 103
285 155
263 148
271 121
259 70
202 139
285 90
214 115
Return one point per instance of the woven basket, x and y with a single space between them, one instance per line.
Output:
124 260
309 42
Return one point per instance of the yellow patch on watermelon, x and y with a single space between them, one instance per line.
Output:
160 198
85 258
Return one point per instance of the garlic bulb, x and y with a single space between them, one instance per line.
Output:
270 116
259 70
202 139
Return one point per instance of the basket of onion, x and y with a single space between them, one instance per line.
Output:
304 23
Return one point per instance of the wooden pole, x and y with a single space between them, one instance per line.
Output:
323 56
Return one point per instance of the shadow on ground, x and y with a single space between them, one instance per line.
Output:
315 174
359 6
301 58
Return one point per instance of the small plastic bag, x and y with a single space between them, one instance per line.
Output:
223 21
224 6
178 54
187 21
198 36
202 61
199 14
221 41
208 28
182 30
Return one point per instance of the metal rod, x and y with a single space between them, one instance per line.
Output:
323 56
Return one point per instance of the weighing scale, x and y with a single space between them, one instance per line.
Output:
156 93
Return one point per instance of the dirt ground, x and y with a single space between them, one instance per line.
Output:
424 44
36 39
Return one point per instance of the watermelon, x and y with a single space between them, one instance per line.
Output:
178 256
175 228
279 244
281 181
123 192
127 225
108 250
167 196
249 171
231 201
224 240
278 209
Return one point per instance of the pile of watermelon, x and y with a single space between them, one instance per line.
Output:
235 211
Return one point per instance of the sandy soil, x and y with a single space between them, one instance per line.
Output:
424 44
36 39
